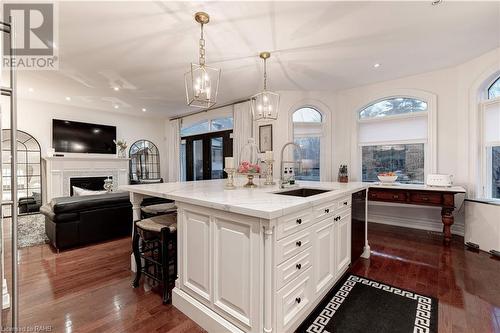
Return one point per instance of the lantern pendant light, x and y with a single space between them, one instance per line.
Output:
202 81
265 104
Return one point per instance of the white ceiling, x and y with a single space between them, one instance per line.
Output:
146 47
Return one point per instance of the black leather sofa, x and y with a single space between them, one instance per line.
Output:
76 221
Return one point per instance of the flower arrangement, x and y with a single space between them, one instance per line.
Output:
122 146
247 167
343 176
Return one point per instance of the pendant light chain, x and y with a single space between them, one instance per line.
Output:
265 75
202 48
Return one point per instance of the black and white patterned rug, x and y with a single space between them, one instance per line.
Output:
358 304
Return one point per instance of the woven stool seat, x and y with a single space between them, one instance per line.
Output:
157 209
156 223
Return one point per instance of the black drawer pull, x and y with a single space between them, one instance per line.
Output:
299 266
299 221
345 203
327 210
298 300
299 243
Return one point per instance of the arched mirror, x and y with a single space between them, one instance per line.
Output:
29 181
144 161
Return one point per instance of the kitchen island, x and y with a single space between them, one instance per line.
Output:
256 260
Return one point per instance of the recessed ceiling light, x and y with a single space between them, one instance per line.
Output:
377 65
68 98
116 106
31 89
116 88
144 110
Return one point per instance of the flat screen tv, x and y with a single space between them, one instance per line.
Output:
75 137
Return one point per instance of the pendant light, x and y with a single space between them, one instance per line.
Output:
202 81
265 104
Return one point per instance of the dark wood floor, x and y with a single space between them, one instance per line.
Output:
88 289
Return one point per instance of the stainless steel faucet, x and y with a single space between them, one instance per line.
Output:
284 181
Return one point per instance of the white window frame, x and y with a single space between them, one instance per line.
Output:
430 144
326 153
484 156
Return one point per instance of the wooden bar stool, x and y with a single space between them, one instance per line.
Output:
155 251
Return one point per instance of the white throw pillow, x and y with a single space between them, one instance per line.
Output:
78 192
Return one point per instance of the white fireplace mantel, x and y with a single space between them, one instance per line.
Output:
60 169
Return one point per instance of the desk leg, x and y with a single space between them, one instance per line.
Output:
136 200
448 220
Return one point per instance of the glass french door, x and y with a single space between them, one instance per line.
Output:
204 155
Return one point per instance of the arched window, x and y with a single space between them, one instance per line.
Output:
494 89
307 133
29 182
392 135
490 138
144 161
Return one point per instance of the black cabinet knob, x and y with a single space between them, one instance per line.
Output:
327 210
299 243
345 203
299 266
298 300
299 221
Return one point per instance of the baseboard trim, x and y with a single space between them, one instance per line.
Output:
415 223
200 314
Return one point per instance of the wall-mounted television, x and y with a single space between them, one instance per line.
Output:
76 137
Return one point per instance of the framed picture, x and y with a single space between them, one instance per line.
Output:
265 138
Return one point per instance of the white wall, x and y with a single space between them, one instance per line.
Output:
456 92
35 117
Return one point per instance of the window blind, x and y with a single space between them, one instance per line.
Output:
390 130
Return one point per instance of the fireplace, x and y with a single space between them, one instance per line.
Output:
63 172
88 183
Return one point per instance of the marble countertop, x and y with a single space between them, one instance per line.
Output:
259 202
398 186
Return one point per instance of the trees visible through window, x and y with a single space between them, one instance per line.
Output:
307 133
393 106
494 89
392 135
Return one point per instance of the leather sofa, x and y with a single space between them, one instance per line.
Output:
76 221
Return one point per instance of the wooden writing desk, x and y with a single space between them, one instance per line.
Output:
443 197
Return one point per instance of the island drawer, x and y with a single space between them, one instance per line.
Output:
344 202
293 300
292 268
288 247
325 210
289 224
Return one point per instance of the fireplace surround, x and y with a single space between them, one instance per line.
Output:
60 171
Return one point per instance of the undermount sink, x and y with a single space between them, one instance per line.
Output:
303 192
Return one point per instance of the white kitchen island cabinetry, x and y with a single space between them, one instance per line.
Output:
256 261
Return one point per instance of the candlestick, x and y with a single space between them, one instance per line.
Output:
268 155
229 162
269 171
230 178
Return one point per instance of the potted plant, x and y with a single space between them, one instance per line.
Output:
343 175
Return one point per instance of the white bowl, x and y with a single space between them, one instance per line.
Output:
387 179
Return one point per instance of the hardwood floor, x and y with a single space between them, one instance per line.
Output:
466 283
89 289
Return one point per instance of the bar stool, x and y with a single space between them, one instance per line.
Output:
158 209
155 251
